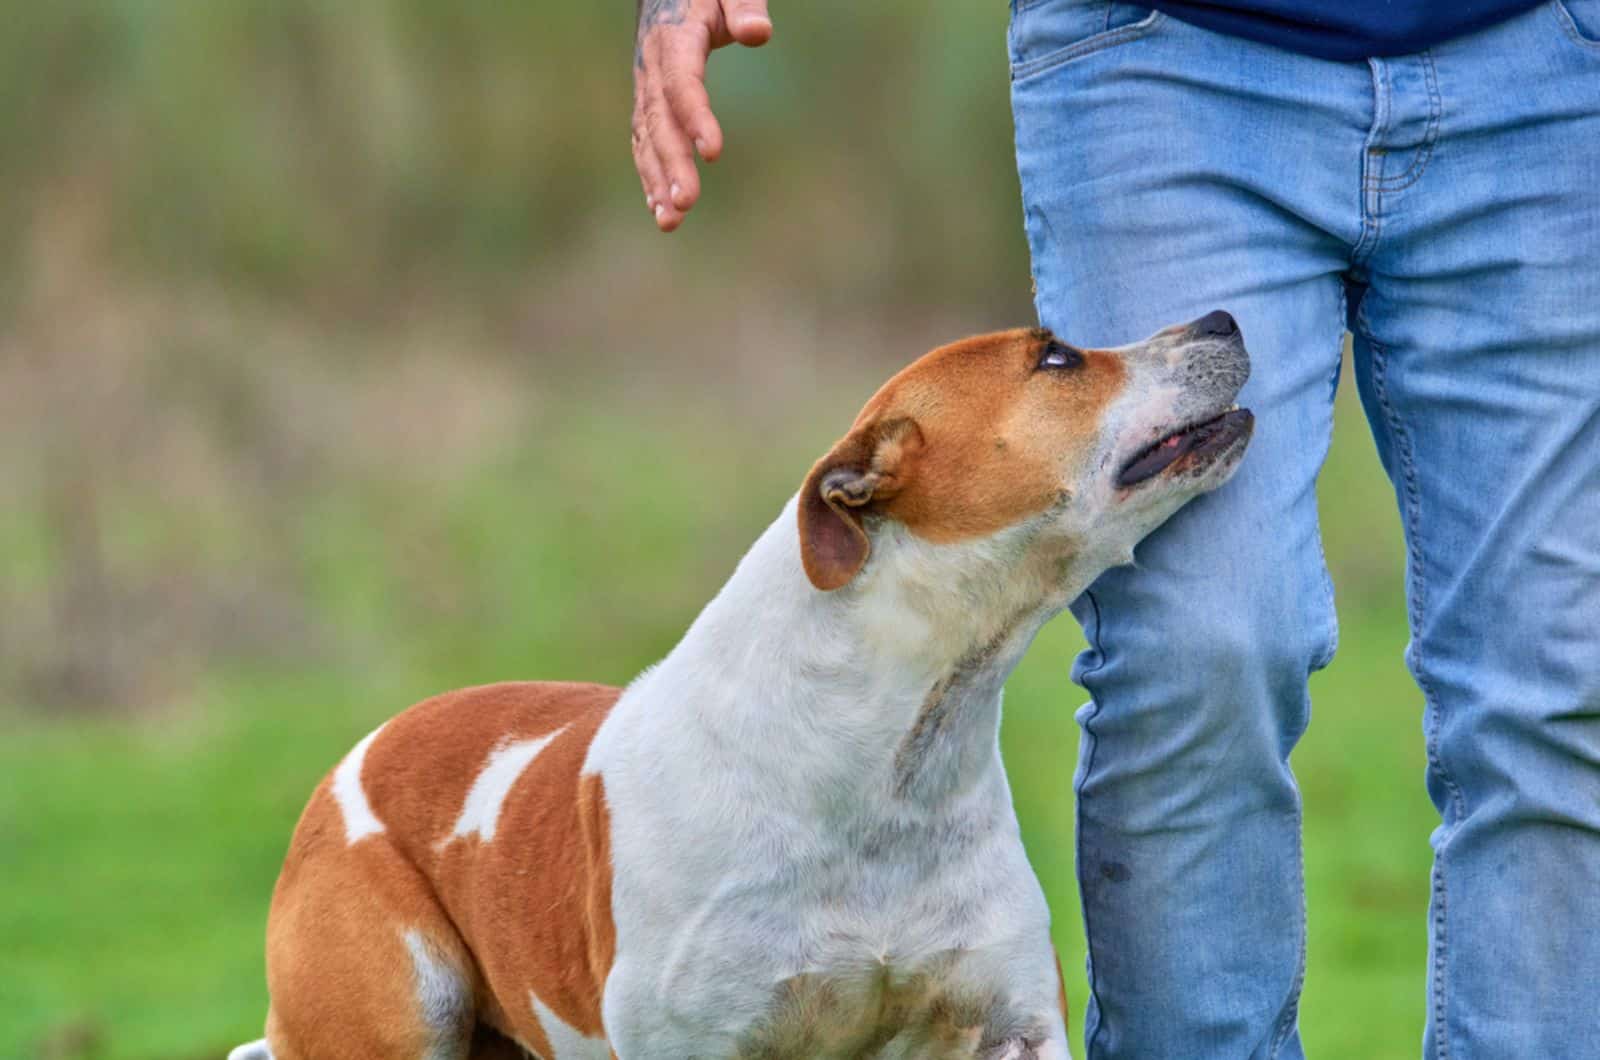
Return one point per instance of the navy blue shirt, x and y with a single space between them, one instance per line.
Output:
1345 29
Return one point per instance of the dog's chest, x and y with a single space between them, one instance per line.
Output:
877 1011
893 966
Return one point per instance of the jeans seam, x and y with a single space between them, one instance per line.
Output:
1382 92
1292 1014
1077 799
1322 550
1287 1023
1430 136
1372 159
1411 504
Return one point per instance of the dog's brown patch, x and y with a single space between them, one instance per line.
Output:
967 440
528 911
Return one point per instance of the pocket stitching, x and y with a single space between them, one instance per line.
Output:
1088 45
1570 26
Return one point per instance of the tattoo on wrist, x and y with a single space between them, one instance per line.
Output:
653 13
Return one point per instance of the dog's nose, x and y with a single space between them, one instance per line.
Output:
1217 322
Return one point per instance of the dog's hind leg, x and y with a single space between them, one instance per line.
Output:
361 961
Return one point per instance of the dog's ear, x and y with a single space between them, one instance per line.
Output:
869 466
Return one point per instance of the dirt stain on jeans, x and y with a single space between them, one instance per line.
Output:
1115 871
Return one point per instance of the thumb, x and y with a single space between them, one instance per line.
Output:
748 22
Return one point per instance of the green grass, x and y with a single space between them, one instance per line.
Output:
137 855
237 224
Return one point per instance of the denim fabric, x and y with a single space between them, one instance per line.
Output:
1446 205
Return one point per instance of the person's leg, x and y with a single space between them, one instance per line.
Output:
1479 360
1167 171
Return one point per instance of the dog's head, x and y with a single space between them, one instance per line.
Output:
1085 451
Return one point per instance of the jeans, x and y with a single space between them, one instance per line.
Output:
1445 208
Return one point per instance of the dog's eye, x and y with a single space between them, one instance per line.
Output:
1058 356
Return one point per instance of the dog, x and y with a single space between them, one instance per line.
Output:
793 836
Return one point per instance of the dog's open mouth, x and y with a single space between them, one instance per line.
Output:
1198 442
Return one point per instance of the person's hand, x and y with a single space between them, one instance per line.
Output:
672 117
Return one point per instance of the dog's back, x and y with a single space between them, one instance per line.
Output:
463 814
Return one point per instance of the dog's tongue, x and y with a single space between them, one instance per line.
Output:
1155 461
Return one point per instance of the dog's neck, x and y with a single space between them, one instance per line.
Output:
889 685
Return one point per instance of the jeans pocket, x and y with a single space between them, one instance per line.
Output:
1581 20
1047 33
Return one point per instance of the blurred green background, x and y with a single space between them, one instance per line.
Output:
340 364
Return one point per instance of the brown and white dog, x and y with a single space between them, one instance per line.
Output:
793 836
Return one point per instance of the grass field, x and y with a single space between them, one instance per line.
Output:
137 853
319 328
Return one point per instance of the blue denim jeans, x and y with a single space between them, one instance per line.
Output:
1445 208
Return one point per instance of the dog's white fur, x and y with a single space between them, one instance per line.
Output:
763 880
808 811
778 743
